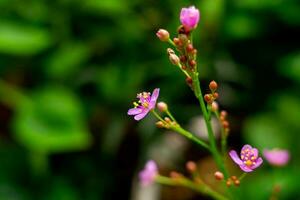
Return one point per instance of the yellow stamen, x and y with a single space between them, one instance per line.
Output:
248 163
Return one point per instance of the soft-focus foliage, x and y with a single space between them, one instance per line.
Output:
69 70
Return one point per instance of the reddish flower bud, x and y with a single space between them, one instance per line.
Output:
233 178
176 41
213 86
215 95
183 38
191 166
163 35
183 59
167 119
183 67
162 106
195 51
223 113
192 63
189 48
219 175
175 175
228 183
225 124
207 98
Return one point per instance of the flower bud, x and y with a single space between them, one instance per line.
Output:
174 59
167 119
214 106
192 63
163 35
237 182
162 106
183 38
223 113
191 166
215 95
228 183
189 48
189 17
213 86
219 175
170 51
225 124
160 124
207 98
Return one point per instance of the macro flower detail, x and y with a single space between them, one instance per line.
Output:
277 157
189 17
145 104
249 159
148 174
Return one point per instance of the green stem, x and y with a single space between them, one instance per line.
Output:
203 188
214 150
171 116
223 137
242 176
190 136
157 115
171 42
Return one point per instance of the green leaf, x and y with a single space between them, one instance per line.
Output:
289 66
67 60
21 39
53 122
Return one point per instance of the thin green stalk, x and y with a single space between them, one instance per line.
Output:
190 136
171 116
242 176
157 115
203 188
214 150
223 137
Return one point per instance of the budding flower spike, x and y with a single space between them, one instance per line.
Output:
249 158
148 174
189 17
277 157
145 104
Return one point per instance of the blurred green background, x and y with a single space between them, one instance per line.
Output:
70 69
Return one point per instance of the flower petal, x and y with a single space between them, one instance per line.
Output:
255 152
155 95
259 161
246 146
141 115
245 168
235 157
134 111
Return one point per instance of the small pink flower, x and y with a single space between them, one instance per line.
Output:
249 158
277 157
148 174
189 17
145 104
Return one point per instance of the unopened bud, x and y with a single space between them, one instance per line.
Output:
213 86
162 106
219 175
195 51
192 63
183 67
174 59
160 124
163 35
191 166
175 175
167 119
215 95
207 98
183 38
170 51
223 113
233 178
214 106
237 182
228 183
183 58
225 124
189 48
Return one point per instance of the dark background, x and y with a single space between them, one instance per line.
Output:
70 69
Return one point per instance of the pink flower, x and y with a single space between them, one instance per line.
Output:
145 104
189 17
148 174
249 158
277 157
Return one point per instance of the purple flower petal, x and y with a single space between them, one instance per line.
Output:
141 115
246 146
258 162
235 157
255 152
277 157
245 168
155 95
134 111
